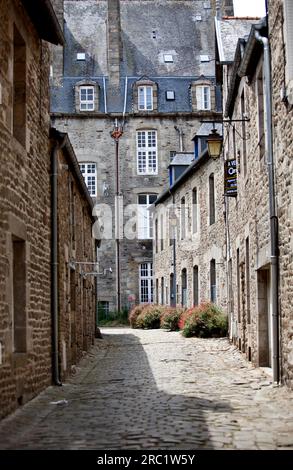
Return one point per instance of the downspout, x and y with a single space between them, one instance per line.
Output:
105 94
273 213
125 100
54 262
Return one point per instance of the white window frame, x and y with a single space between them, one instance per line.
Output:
203 97
89 103
146 152
145 104
145 218
168 58
146 283
89 172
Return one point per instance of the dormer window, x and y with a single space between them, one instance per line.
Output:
87 98
202 95
145 98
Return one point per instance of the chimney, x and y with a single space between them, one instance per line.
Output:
114 42
228 8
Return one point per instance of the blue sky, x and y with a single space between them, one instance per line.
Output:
249 7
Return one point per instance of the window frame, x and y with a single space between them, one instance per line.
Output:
144 106
87 101
149 286
146 227
201 106
86 175
148 149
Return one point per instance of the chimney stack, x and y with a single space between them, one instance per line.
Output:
114 42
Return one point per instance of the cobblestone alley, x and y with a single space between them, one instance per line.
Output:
157 390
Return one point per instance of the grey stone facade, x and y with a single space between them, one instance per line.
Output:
152 48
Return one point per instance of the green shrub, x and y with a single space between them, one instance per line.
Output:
170 318
134 313
149 318
205 321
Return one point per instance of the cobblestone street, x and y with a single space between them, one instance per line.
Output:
157 390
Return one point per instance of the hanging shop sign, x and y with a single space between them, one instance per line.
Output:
230 178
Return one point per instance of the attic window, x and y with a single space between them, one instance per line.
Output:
170 95
80 56
168 58
204 58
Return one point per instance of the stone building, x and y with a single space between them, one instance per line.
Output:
148 68
281 45
189 244
257 92
76 256
25 263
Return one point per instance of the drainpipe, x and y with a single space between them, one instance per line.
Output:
54 262
273 213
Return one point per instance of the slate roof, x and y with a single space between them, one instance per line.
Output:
206 128
62 97
228 31
182 159
142 54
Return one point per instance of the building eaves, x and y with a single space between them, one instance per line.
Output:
204 157
245 60
43 17
228 31
206 128
62 137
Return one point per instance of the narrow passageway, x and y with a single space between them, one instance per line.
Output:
156 390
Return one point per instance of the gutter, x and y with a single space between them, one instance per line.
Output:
272 204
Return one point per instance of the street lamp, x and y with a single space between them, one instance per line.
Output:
214 141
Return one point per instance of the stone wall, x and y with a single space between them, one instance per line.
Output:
25 361
77 303
197 248
283 150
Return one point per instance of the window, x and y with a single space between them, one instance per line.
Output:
87 98
19 295
213 282
194 210
195 286
183 219
244 152
212 199
80 56
238 285
203 98
156 236
168 58
247 261
288 36
145 98
19 88
89 172
146 291
145 217
162 232
162 290
261 112
204 58
170 95
147 152
184 288
172 290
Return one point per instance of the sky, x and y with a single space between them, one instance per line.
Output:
249 7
